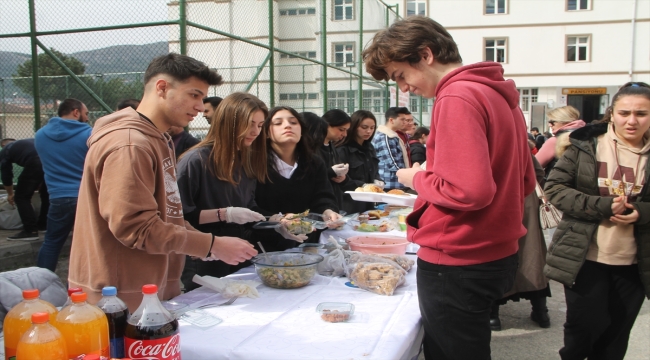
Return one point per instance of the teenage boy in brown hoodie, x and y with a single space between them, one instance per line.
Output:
129 228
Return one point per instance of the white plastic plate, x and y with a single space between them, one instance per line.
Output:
364 196
406 200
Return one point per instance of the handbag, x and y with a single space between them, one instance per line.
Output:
549 215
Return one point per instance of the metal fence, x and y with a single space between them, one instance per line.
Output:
305 54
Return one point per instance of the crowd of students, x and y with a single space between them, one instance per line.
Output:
140 213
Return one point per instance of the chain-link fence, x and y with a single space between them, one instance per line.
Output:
305 54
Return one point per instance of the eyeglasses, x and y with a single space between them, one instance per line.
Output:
636 84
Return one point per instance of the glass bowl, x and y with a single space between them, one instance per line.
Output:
286 270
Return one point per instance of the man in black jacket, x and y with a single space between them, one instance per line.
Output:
23 153
182 140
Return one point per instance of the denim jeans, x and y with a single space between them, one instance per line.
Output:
455 304
60 220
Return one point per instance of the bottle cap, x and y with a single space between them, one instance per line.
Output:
109 291
149 289
78 297
40 317
74 290
30 294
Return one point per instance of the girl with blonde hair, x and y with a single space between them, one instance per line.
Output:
562 121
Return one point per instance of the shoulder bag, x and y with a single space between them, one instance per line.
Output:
549 215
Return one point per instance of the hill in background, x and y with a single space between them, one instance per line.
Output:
112 59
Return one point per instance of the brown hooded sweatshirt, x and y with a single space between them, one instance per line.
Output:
129 228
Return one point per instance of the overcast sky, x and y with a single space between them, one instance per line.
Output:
72 14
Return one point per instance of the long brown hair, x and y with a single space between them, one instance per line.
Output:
226 136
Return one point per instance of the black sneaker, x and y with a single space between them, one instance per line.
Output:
23 236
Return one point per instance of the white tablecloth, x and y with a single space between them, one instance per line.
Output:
284 324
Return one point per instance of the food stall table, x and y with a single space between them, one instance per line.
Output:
284 324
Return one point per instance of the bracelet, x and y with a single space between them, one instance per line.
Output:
219 214
211 245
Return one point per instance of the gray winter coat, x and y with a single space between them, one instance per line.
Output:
572 187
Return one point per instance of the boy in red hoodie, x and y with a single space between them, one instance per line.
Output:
468 215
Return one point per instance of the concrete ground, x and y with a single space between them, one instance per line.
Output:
520 338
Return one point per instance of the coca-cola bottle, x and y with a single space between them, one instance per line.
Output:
152 332
117 314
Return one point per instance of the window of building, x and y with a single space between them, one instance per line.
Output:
304 11
343 54
416 7
307 54
495 50
496 7
343 10
373 100
337 99
299 96
526 98
575 5
577 48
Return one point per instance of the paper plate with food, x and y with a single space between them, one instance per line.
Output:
398 197
367 193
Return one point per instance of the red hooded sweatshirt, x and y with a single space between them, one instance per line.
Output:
479 170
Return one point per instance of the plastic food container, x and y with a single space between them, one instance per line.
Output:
378 244
311 247
335 311
286 270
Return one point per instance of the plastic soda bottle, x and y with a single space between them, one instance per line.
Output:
84 327
116 314
70 292
152 332
19 319
42 341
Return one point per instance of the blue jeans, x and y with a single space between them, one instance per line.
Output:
60 220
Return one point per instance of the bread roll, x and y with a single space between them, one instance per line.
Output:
372 188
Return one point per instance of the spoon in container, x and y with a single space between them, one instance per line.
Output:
264 251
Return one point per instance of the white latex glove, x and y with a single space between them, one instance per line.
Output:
379 183
331 218
289 236
276 217
340 169
240 215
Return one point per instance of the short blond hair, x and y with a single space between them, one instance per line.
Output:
564 114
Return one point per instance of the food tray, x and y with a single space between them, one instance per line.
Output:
335 311
365 196
405 200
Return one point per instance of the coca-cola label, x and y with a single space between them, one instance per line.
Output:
168 348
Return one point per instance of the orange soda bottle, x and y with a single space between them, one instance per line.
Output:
84 327
42 341
19 319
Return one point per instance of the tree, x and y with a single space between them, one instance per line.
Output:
110 89
51 89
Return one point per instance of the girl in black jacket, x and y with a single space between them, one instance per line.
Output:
358 152
417 142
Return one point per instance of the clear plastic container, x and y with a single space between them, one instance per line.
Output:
335 311
42 341
19 319
311 247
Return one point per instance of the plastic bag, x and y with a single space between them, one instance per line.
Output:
229 288
334 263
401 260
9 217
375 273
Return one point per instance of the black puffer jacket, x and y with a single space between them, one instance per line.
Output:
364 169
572 187
418 152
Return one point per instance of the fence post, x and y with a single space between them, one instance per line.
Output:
360 86
35 89
323 49
182 22
4 111
272 56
